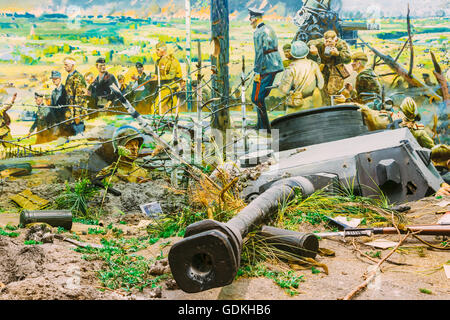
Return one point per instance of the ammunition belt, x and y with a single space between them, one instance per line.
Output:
270 51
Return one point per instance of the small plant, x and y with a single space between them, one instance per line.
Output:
8 234
426 291
86 221
97 231
61 230
174 225
374 254
31 242
10 227
117 232
77 198
314 270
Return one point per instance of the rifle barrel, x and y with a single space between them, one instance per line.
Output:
425 230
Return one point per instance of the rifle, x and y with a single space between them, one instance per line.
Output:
424 230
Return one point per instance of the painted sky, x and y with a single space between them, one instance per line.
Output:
105 7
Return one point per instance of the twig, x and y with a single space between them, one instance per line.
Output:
375 260
373 273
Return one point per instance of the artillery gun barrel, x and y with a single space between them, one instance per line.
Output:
351 25
209 255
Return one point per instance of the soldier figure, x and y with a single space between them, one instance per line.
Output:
100 89
303 76
267 64
76 90
366 80
287 54
59 99
410 118
43 134
140 92
168 69
5 121
126 142
332 53
426 78
440 156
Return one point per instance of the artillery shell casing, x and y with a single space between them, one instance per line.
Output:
298 243
55 218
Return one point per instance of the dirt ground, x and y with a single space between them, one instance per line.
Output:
56 271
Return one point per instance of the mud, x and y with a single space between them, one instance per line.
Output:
47 271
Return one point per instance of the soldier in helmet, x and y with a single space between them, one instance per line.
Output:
300 79
410 118
287 54
367 85
440 156
126 141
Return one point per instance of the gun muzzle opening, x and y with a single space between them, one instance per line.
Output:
202 265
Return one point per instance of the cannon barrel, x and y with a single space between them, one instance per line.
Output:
209 255
354 26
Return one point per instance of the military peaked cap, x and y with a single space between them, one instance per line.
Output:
254 13
359 56
100 60
55 74
139 65
38 94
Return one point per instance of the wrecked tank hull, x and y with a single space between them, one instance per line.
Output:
389 163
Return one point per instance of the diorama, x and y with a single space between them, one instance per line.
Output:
224 150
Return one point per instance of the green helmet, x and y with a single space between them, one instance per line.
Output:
440 155
409 108
125 134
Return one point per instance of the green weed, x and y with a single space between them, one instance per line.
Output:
426 291
8 234
174 225
31 242
77 199
122 268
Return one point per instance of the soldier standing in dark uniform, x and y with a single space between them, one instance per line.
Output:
139 93
100 89
41 121
366 80
59 99
267 64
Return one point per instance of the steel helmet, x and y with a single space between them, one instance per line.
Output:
299 49
125 134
